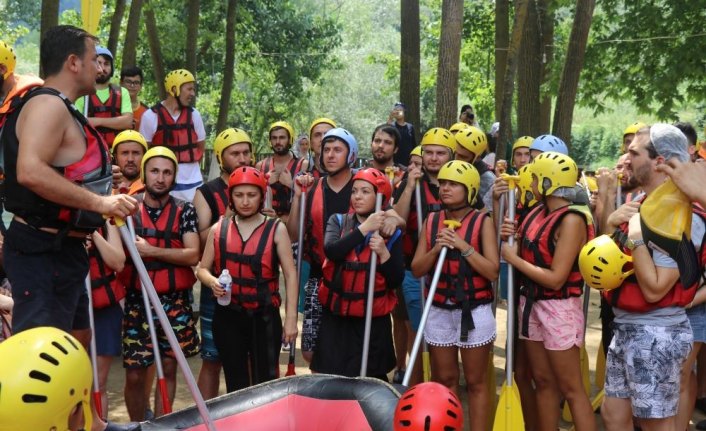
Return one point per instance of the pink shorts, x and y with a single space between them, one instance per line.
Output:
557 323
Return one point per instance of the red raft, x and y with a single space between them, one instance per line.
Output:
310 402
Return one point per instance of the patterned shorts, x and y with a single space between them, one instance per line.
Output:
443 327
644 364
137 344
312 315
557 323
207 305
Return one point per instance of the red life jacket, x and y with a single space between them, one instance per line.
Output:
253 264
179 136
629 297
344 285
215 193
105 288
23 83
430 203
165 233
281 194
110 109
537 247
92 172
459 285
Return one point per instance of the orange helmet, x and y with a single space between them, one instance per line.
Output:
378 180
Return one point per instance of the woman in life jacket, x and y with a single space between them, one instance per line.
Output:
461 317
248 332
349 243
550 312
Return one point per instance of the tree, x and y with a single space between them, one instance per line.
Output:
502 44
410 60
568 86
155 50
192 35
115 23
50 18
449 56
547 52
529 65
228 67
132 33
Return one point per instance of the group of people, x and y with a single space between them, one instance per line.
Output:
68 139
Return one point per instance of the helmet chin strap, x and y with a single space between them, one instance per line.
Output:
448 208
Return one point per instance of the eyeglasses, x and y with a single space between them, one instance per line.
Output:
132 83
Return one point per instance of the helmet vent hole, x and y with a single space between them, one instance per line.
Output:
60 347
453 402
452 414
34 398
427 423
591 250
406 407
603 261
597 268
49 358
405 423
38 375
70 341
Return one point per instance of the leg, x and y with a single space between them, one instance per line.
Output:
445 366
209 375
547 389
104 363
687 389
476 385
566 363
267 344
399 334
209 378
135 399
523 379
232 347
150 376
312 318
617 414
666 424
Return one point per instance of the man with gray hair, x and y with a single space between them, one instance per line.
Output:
652 335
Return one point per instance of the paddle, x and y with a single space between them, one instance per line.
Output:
453 225
300 250
390 172
97 400
370 298
426 364
508 416
148 287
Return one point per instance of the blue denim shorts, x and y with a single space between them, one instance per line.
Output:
697 319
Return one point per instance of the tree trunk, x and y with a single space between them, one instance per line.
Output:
449 56
228 67
568 86
192 34
529 69
131 33
502 42
50 18
409 61
509 80
155 50
115 22
547 52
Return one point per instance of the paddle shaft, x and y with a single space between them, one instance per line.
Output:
619 193
509 352
426 371
148 287
97 399
496 283
369 300
300 252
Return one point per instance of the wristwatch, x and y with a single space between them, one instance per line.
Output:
632 244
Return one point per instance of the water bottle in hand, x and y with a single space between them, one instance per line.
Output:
225 281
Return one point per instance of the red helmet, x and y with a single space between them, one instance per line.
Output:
379 181
428 406
247 175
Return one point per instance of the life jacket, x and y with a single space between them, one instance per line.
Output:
430 203
482 168
105 288
253 264
23 83
93 172
137 115
344 285
629 297
281 194
164 233
215 193
179 136
315 224
459 285
537 247
110 109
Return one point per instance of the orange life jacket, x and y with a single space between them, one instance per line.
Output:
430 203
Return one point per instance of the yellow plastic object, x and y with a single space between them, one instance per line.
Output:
601 263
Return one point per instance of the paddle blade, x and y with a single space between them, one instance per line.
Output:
91 14
600 367
290 365
508 416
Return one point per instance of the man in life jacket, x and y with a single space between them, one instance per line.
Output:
233 149
471 144
167 239
12 85
128 149
132 78
652 335
58 182
438 147
109 109
174 123
280 168
317 130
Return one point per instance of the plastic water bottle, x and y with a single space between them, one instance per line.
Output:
225 280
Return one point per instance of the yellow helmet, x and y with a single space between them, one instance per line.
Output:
283 125
526 196
416 151
464 173
601 263
227 138
522 142
320 121
439 136
591 183
554 170
8 58
129 135
160 151
473 139
175 79
457 127
633 128
45 374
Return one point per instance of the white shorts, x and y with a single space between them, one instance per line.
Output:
443 328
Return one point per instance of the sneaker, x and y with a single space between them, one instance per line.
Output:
285 347
398 376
